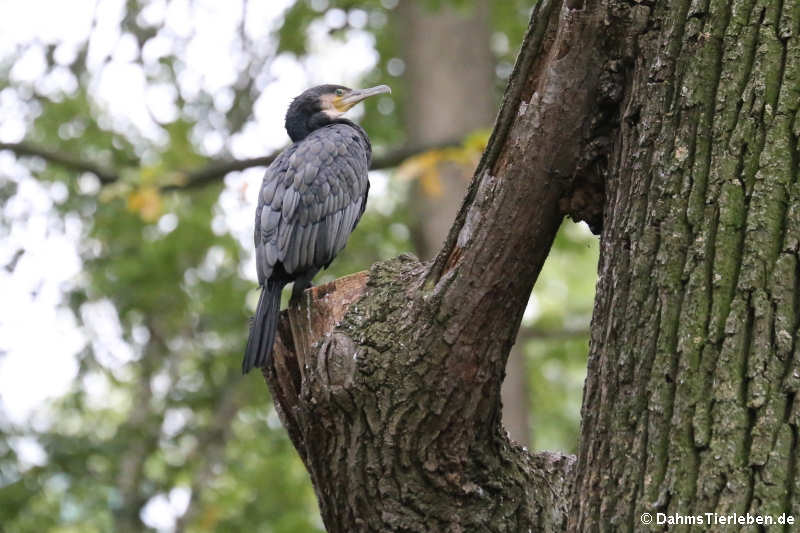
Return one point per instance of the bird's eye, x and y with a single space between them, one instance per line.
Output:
339 92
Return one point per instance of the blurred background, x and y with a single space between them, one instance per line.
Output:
127 191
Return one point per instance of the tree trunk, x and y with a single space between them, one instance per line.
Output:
694 365
388 381
450 82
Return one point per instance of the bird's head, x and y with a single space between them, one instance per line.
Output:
321 105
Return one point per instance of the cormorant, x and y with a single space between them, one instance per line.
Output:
311 199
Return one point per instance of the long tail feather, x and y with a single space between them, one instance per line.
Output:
262 332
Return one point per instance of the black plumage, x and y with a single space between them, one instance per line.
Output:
311 199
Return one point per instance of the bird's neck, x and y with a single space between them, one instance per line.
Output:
300 127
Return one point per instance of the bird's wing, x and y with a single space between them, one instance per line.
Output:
310 201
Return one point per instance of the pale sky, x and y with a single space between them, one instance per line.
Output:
39 337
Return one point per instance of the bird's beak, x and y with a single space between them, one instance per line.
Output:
357 95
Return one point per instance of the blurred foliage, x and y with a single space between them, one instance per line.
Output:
509 22
165 414
424 167
556 337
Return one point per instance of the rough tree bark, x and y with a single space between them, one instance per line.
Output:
695 365
673 123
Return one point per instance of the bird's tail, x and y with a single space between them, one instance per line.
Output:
262 331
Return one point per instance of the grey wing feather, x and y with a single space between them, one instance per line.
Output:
269 223
321 242
290 259
290 200
310 243
334 230
311 199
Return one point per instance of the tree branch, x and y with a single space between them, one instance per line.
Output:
543 118
66 160
216 170
537 334
212 172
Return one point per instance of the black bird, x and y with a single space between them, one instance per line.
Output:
311 199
